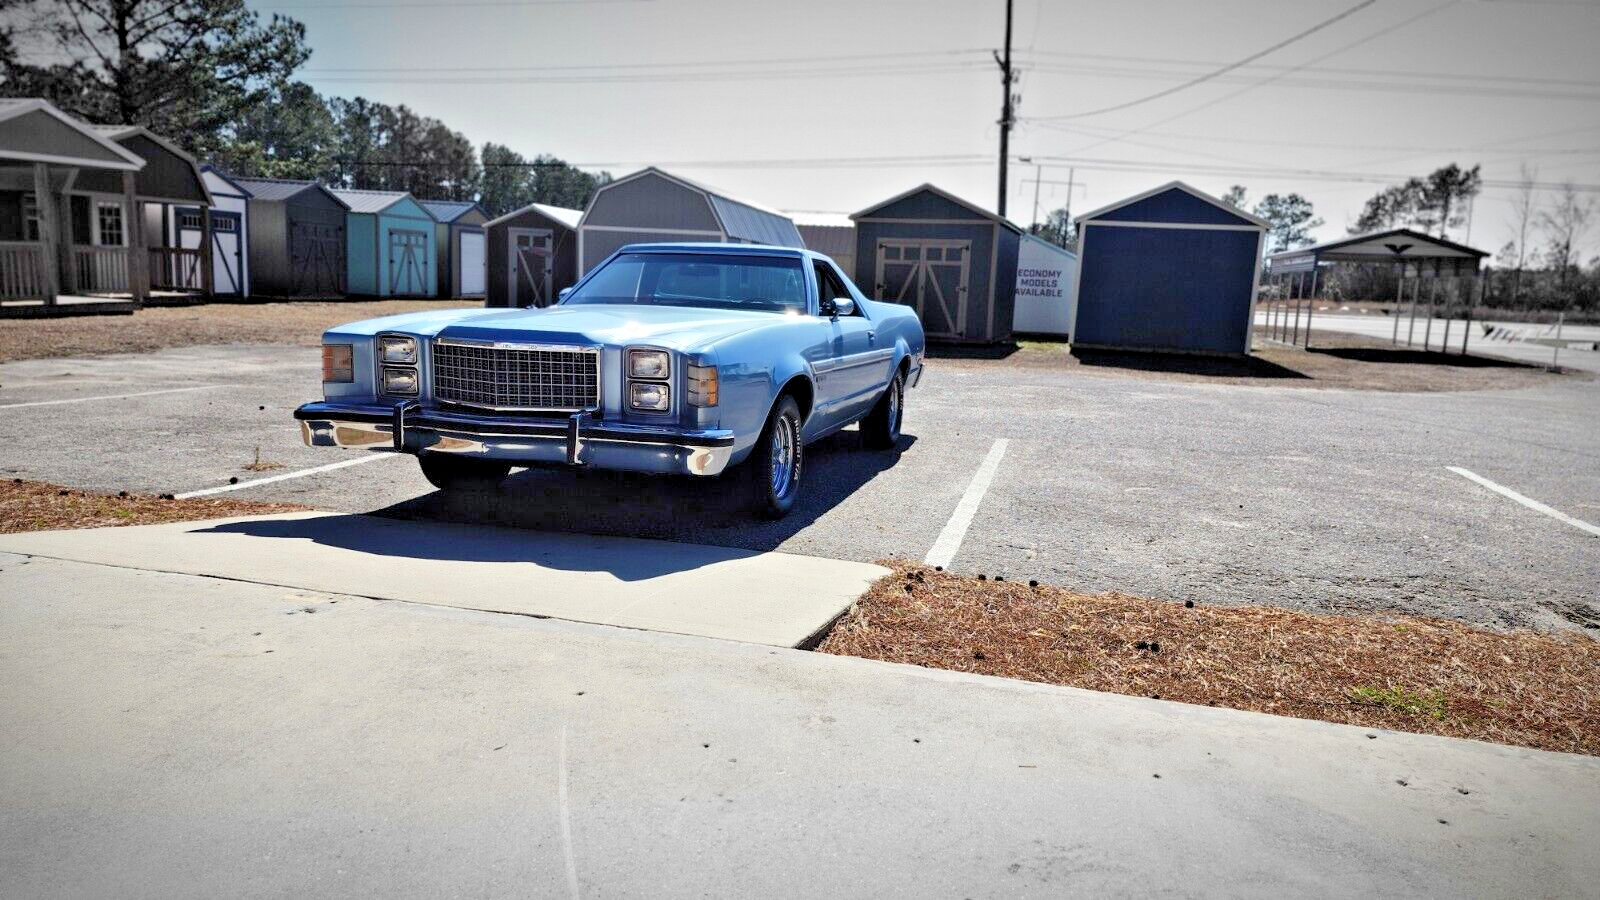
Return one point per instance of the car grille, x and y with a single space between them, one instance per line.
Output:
556 379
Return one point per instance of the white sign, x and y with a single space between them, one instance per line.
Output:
1044 288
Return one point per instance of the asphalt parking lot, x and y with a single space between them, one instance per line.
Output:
1325 500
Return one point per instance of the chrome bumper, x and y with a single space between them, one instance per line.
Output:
579 440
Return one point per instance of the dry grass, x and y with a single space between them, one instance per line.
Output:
158 328
39 506
1345 362
1399 672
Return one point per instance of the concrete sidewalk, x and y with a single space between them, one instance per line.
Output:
780 599
173 736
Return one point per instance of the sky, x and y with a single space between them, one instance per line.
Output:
831 105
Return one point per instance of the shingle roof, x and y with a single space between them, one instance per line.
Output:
448 210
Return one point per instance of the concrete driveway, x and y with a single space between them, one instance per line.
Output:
177 736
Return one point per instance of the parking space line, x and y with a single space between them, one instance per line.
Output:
203 387
206 492
1529 502
949 541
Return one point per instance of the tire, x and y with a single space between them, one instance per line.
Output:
775 465
880 430
463 475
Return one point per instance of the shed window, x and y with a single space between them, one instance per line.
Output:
108 218
223 224
191 221
30 216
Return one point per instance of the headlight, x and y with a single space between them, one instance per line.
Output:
649 364
399 381
338 363
700 385
652 397
397 348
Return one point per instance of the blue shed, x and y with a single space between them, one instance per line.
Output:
392 249
952 261
1170 270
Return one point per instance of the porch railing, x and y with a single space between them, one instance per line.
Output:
101 270
21 271
175 269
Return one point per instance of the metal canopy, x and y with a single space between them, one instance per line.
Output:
1400 245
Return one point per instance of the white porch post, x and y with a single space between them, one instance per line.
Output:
49 233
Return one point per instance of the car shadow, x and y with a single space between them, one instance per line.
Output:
572 505
1188 364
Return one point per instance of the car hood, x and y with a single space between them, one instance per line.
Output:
674 327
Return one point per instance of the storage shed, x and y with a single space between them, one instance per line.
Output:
831 234
460 239
295 240
1170 270
651 205
389 244
533 255
1045 273
170 190
230 233
953 261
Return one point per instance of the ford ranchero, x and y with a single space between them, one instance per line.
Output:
665 358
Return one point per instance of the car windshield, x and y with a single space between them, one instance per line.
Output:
768 283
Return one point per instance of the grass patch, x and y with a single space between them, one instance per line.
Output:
40 506
1405 673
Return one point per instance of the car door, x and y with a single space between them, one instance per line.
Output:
853 378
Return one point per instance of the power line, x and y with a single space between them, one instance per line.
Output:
1330 70
673 64
1384 87
809 72
1326 23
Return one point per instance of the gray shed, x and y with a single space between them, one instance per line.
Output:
651 205
951 260
831 234
296 240
533 254
460 242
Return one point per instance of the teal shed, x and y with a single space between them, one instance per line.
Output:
392 250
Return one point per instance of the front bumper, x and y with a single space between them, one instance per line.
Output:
579 440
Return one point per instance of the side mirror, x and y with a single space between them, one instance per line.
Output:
839 306
561 296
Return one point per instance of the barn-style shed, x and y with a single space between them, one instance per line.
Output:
651 205
461 242
389 244
170 191
295 243
533 255
1171 270
953 261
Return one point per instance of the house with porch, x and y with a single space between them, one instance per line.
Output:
89 215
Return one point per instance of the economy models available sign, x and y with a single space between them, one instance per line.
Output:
1044 288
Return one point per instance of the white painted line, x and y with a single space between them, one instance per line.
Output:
203 387
370 457
949 542
565 807
1529 502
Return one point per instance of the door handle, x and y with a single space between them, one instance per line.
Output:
872 337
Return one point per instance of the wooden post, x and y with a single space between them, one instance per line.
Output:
1467 332
68 264
138 253
1399 299
1311 305
1416 291
1433 303
49 233
1299 294
206 241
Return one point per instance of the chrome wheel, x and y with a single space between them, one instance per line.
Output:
784 439
895 390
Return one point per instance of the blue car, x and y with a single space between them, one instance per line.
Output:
666 358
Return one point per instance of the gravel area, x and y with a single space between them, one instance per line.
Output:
1399 672
156 328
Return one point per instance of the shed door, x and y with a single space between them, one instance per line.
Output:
930 276
316 258
408 262
471 258
530 266
227 246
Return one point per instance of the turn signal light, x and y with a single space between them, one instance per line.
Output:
338 363
700 385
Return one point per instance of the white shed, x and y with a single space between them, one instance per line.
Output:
230 234
1044 288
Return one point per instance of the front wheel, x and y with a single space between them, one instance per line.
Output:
881 428
459 474
775 464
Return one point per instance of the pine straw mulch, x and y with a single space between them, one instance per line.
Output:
1399 672
40 506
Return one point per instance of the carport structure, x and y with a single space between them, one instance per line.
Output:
1295 279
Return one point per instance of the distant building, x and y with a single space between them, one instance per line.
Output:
533 255
1172 269
390 245
461 246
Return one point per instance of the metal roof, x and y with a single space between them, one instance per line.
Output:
272 188
1385 245
368 201
567 217
448 210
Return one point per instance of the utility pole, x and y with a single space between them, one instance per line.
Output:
1038 177
1006 79
1071 175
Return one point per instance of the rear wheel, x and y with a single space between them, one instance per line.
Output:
775 464
458 474
881 428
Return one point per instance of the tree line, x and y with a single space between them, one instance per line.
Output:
218 78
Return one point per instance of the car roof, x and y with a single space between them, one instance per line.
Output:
725 249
